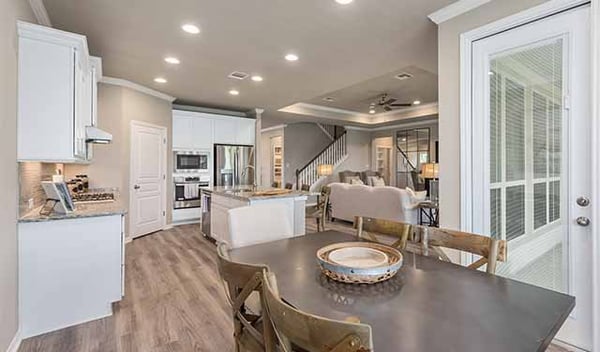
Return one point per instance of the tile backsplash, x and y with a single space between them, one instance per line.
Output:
31 174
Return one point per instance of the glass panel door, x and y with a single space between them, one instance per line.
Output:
526 102
531 156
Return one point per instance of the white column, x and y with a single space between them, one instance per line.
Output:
258 174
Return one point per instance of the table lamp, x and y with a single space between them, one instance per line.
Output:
430 172
324 169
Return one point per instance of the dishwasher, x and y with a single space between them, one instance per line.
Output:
206 213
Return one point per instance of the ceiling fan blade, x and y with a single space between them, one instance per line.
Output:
387 108
389 101
401 104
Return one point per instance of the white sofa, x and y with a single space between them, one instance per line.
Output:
389 203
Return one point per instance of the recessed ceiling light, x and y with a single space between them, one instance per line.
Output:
160 80
190 28
172 60
291 57
372 111
344 2
416 102
234 92
256 78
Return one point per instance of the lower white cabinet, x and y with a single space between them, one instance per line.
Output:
70 271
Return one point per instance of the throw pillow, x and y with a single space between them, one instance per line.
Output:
356 181
378 182
350 179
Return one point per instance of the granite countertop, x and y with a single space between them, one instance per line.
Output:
85 210
248 193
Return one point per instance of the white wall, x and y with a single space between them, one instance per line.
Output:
449 97
10 12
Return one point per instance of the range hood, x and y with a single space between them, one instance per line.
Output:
97 136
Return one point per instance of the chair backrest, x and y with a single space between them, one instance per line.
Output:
275 185
310 332
417 184
242 283
289 186
259 223
379 230
430 239
305 188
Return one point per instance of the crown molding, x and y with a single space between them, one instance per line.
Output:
455 9
207 110
40 13
361 118
137 87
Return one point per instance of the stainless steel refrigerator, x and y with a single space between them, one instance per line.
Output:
234 165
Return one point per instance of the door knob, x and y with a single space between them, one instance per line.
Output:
583 201
136 187
583 221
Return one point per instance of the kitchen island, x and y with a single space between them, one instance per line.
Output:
224 198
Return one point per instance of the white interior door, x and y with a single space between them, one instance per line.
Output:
531 156
148 179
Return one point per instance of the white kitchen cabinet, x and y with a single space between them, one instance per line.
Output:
55 96
182 132
202 129
70 271
245 131
192 131
199 131
225 130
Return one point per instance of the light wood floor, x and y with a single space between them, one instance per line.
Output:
173 301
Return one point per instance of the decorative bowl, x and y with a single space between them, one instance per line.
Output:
359 262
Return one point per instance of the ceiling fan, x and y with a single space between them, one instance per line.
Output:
389 104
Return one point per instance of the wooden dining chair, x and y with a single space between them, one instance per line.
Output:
289 186
297 330
430 240
243 289
305 188
319 210
392 233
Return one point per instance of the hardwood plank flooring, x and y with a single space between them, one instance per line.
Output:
174 301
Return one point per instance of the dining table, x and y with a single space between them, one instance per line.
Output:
429 305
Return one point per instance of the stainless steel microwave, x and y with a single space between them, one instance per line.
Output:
190 161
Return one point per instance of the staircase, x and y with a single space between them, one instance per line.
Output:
333 154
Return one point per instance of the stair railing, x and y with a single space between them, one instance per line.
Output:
332 154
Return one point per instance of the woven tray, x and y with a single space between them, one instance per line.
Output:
272 192
363 275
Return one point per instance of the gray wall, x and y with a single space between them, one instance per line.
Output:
449 97
117 107
302 142
10 11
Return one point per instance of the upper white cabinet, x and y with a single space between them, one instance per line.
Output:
56 95
245 131
225 130
199 131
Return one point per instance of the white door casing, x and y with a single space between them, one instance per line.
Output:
148 197
573 28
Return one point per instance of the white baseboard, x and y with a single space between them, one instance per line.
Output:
15 343
167 227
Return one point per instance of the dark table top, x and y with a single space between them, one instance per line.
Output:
429 305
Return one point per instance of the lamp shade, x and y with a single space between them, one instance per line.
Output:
430 170
325 169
